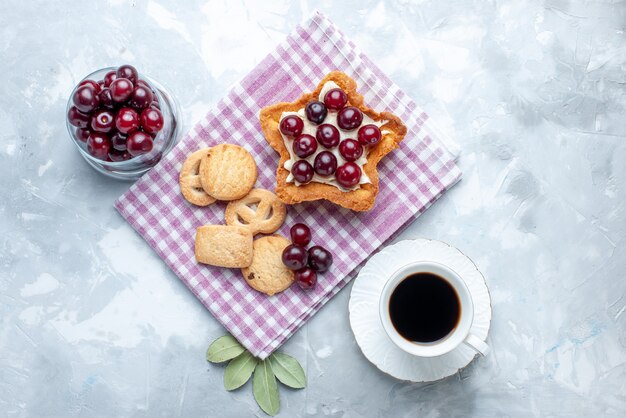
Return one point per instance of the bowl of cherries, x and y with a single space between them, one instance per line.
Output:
122 122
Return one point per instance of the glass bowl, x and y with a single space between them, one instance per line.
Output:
165 139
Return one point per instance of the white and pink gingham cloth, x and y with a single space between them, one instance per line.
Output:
411 179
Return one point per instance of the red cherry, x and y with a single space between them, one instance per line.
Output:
86 98
106 100
295 257
126 120
306 278
121 89
300 234
320 259
304 145
118 141
302 171
128 72
103 121
117 156
78 118
335 99
141 97
109 78
97 87
327 135
316 112
349 118
291 125
99 145
350 149
145 84
82 134
348 175
325 163
139 143
151 120
369 135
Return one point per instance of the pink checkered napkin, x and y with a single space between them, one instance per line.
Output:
411 179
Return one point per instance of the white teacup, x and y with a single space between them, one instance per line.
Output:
460 334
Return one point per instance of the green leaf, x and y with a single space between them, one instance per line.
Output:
288 370
265 389
224 348
239 371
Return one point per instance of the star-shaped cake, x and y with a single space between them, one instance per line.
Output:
330 143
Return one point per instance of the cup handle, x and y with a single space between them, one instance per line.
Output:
477 344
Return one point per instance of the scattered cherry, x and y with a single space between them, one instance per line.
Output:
350 149
316 112
349 118
151 120
295 257
99 145
335 99
83 134
300 234
291 125
369 135
327 135
86 98
304 145
139 143
128 72
141 97
320 259
126 120
109 78
348 175
97 87
78 118
306 278
103 121
118 141
325 163
302 171
121 89
306 263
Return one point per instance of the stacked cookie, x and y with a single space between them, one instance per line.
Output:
224 172
228 172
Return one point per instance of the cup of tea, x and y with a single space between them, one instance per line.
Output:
426 310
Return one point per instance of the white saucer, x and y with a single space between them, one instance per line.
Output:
368 329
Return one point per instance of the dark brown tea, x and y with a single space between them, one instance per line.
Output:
424 308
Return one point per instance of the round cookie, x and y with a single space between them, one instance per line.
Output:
267 273
260 211
227 172
190 185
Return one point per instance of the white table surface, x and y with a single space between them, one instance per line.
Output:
93 324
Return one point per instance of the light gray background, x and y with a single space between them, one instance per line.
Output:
93 324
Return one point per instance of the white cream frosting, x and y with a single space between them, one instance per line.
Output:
310 128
